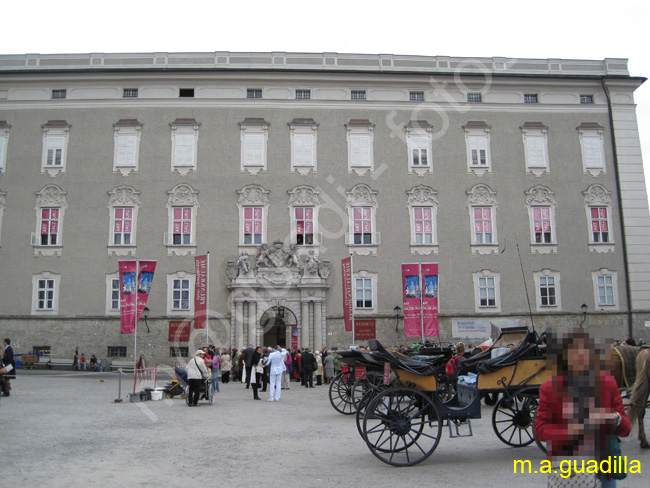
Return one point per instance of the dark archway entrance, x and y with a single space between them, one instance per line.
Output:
277 324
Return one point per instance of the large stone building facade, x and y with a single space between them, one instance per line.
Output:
506 172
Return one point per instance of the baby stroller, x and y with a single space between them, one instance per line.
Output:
174 388
207 393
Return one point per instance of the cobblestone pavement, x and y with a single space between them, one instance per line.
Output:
62 428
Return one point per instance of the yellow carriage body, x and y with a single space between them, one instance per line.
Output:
526 372
417 382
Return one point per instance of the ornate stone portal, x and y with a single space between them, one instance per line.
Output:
277 276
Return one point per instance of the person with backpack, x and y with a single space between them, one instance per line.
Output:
452 365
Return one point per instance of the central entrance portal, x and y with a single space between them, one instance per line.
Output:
277 324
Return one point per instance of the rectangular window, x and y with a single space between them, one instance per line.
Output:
362 225
59 94
303 94
184 149
605 290
536 151
474 97
253 93
123 226
592 150
253 149
483 225
55 147
530 98
542 225
487 292
478 150
186 92
49 226
45 295
253 225
363 293
130 93
419 151
42 350
416 96
547 291
304 225
423 225
116 351
599 224
586 99
181 294
126 150
358 95
179 351
115 294
182 226
303 149
360 149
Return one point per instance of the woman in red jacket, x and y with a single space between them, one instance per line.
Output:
579 409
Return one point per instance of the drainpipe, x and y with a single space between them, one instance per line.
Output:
620 210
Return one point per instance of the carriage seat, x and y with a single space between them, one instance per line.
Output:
421 368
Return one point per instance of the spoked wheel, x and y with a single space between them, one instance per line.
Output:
362 405
210 392
187 394
341 393
513 418
366 382
402 426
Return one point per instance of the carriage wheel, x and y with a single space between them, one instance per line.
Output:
341 393
362 405
368 381
513 418
402 427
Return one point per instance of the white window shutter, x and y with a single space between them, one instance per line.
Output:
536 151
126 149
184 150
360 149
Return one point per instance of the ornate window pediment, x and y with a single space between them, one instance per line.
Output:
422 205
483 205
123 206
182 207
362 237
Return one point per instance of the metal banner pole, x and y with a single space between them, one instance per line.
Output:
135 317
354 298
207 296
421 301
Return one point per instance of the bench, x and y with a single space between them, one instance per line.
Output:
55 363
126 366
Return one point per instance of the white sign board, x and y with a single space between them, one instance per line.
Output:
478 328
647 324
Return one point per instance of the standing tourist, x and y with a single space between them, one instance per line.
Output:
258 368
248 364
75 359
216 366
307 361
580 411
319 369
288 369
6 371
276 364
328 363
196 374
226 366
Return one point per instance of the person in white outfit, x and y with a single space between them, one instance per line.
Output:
196 373
276 368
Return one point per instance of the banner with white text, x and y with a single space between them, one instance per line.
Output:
200 291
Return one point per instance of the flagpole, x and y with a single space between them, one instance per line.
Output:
207 296
135 317
354 298
421 301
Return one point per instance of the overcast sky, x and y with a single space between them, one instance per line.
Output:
548 29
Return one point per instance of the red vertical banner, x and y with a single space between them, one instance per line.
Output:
200 291
128 286
132 282
429 272
412 295
346 277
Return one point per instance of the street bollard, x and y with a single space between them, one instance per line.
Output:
119 388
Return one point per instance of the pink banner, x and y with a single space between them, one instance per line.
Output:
346 277
429 273
130 287
412 294
200 291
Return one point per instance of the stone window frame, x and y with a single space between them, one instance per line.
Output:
534 131
598 196
50 196
51 130
605 272
123 129
475 130
419 129
361 195
540 196
45 275
180 275
304 127
304 196
482 196
123 197
374 279
486 273
4 144
418 197
181 128
360 128
182 195
252 196
254 127
595 132
109 294
548 273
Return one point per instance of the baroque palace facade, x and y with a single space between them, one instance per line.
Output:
282 164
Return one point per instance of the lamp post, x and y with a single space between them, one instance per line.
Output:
583 309
396 311
145 314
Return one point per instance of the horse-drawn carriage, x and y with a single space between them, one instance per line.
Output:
402 404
